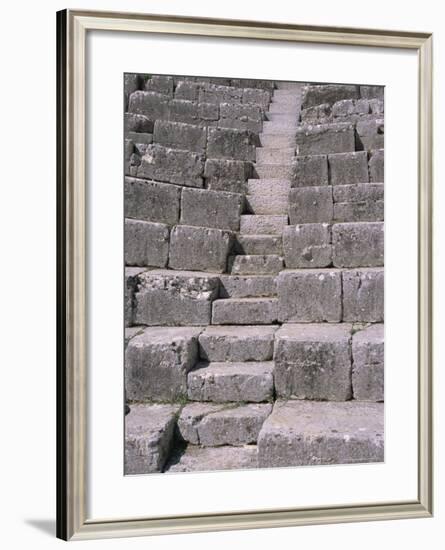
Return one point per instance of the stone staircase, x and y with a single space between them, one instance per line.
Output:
256 338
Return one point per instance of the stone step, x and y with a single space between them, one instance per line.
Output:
268 196
308 433
368 363
280 94
250 382
283 108
277 139
212 425
245 311
276 127
262 224
359 202
283 118
258 244
202 459
237 343
255 264
275 155
279 171
359 244
248 286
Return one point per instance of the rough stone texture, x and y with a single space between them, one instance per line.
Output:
131 281
151 201
359 202
160 83
214 209
132 82
277 155
270 264
371 134
150 104
226 382
213 425
140 139
348 107
157 362
328 93
214 93
248 286
368 364
183 111
180 135
227 143
261 97
358 244
208 111
146 243
237 343
308 433
149 431
185 89
311 205
172 166
241 116
268 196
199 248
227 175
363 295
307 245
283 171
262 225
325 138
313 362
245 311
316 114
258 244
310 170
347 168
309 296
204 459
172 298
137 123
376 166
131 332
370 92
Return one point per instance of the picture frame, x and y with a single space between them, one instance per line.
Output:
73 522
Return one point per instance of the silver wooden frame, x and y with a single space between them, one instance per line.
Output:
72 521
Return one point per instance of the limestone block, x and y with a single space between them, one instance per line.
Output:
185 89
131 282
260 97
328 93
180 110
151 201
247 286
359 202
132 83
245 311
146 243
262 224
370 92
307 245
150 104
259 244
363 295
269 264
208 111
131 332
310 170
180 135
348 107
368 364
227 175
231 144
214 93
139 139
345 168
317 114
137 123
161 84
376 166
358 244
311 205
325 138
371 134
203 459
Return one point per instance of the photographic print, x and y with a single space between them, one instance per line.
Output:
254 278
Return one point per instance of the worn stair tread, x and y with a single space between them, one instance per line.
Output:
202 459
255 264
274 155
248 286
258 244
284 139
280 170
263 224
245 311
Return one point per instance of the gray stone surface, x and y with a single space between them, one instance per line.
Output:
261 97
308 433
345 168
237 343
245 311
274 154
185 89
316 114
231 382
283 171
371 134
131 281
262 224
137 123
131 332
180 136
325 138
175 298
208 111
161 84
140 139
214 93
268 196
132 82
307 245
359 202
149 431
199 248
363 295
247 286
313 361
269 264
328 93
150 104
204 459
227 143
241 116
151 201
370 92
348 107
157 362
227 175
376 166
311 205
368 363
258 244
310 170
146 243
172 166
180 110
214 209
358 244
309 296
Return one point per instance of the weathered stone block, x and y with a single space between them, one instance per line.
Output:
258 244
247 286
180 110
260 97
169 298
359 202
368 364
149 433
308 433
214 93
231 382
139 138
269 264
132 82
208 111
150 104
377 106
157 362
363 295
370 92
313 362
245 311
146 243
131 332
237 343
172 166
358 244
311 205
348 107
131 282
268 196
376 166
317 114
241 111
310 170
328 93
215 209
262 225
231 144
227 175
185 89
180 135
137 123
309 296
203 459
371 134
325 138
307 245
161 84
348 168
151 201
